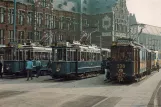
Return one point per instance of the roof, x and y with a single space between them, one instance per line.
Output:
22 1
152 30
90 7
85 6
101 6
132 19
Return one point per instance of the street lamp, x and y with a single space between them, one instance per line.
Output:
14 19
14 29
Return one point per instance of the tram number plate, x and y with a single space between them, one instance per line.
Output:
120 66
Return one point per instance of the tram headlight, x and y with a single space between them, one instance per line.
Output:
8 67
58 67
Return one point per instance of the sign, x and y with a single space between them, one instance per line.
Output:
123 42
106 34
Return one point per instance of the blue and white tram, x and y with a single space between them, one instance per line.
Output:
76 59
15 59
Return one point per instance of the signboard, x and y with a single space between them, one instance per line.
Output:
106 34
123 42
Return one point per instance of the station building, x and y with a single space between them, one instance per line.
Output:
149 36
65 19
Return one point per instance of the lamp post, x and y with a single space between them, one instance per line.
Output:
14 19
14 28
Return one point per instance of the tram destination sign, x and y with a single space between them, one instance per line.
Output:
123 42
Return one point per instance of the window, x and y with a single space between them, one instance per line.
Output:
59 6
38 36
85 2
69 22
65 3
54 21
73 8
60 37
44 3
39 19
10 16
21 37
47 20
21 15
1 36
74 24
2 14
84 9
11 36
61 23
30 36
29 18
29 1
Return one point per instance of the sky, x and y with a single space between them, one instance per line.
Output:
146 11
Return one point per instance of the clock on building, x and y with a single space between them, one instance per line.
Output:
106 22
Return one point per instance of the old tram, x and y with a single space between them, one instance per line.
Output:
130 60
70 60
15 58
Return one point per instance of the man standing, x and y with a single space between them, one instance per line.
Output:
157 65
29 69
1 66
38 67
107 70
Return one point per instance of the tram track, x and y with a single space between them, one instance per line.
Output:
6 94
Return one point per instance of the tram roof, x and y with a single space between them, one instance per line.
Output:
39 48
106 49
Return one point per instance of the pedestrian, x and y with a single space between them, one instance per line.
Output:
49 65
38 67
1 66
157 63
29 68
107 70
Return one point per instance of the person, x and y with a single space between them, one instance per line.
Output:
157 63
49 65
38 67
1 66
1 72
107 70
29 68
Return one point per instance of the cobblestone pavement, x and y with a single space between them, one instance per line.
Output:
91 92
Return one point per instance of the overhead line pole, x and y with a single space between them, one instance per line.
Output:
14 19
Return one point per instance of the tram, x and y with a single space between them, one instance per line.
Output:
15 58
130 60
76 60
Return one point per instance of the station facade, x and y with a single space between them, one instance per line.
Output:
66 19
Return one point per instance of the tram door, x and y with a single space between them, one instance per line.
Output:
137 60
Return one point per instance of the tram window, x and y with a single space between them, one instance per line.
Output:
82 56
61 54
122 53
8 54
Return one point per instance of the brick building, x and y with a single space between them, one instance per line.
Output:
65 19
